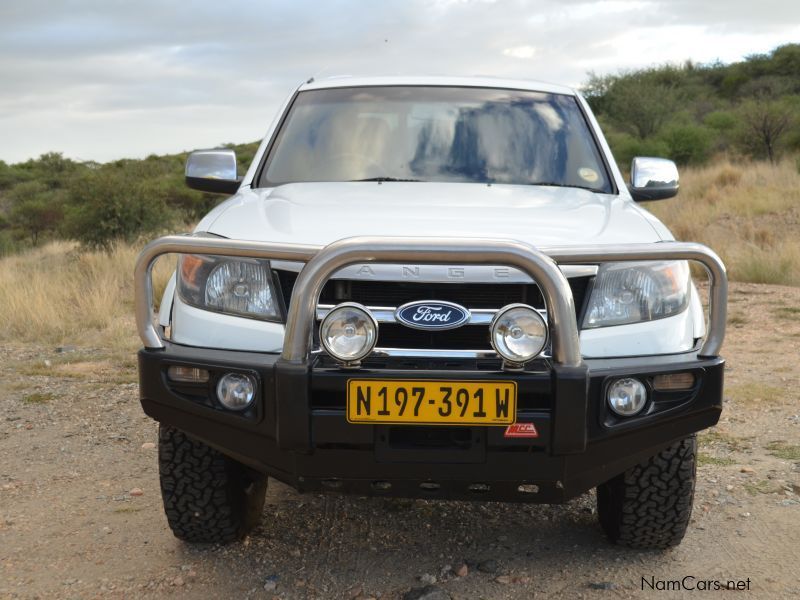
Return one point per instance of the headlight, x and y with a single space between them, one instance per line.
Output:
634 292
234 286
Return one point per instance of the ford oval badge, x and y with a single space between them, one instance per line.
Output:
432 314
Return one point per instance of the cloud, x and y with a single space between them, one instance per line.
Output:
106 79
520 52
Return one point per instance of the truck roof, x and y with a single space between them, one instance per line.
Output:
428 80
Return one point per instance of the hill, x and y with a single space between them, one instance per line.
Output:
694 111
53 197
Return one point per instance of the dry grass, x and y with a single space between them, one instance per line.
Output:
38 398
783 450
755 391
761 487
707 459
748 213
58 294
712 438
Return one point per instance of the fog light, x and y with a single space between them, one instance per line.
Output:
236 391
348 332
518 333
627 397
673 381
187 374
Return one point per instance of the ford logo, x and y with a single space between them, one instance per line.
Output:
432 314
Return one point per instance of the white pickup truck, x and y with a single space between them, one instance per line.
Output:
432 288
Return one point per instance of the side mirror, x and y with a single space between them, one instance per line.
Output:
212 171
653 179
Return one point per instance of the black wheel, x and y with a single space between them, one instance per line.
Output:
649 505
208 497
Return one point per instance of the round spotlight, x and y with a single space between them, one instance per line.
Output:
518 333
627 397
236 391
348 332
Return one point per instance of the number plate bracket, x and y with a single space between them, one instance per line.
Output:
431 402
430 444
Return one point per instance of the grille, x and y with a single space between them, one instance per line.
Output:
469 295
468 337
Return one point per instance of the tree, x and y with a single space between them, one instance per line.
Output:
638 103
11 175
764 125
35 210
50 168
115 202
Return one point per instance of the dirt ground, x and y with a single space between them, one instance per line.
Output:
81 516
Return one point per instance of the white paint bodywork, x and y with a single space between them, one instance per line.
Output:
320 213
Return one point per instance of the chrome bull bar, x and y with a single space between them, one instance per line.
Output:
541 264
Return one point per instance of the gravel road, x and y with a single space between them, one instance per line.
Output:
81 517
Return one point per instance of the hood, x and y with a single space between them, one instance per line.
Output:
320 213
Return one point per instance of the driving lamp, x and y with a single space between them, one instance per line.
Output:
348 332
518 333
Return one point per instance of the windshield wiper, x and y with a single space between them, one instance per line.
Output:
381 179
569 185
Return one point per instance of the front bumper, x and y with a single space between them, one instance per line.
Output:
297 431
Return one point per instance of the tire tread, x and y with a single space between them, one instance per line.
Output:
649 505
207 496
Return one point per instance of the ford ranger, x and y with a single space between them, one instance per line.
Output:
432 288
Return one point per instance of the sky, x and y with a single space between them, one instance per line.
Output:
107 79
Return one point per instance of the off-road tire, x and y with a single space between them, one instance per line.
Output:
208 497
649 505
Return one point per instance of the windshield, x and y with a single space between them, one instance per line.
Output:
444 134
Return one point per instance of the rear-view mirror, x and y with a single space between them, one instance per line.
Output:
212 171
653 179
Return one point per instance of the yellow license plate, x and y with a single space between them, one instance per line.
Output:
427 402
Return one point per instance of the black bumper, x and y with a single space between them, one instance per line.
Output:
297 431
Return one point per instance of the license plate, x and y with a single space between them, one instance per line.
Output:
427 402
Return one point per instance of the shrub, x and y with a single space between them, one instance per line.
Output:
625 147
721 120
36 210
115 203
687 144
11 175
7 243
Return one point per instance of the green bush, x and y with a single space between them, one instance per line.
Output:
721 121
11 175
115 203
625 147
36 210
687 144
7 243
